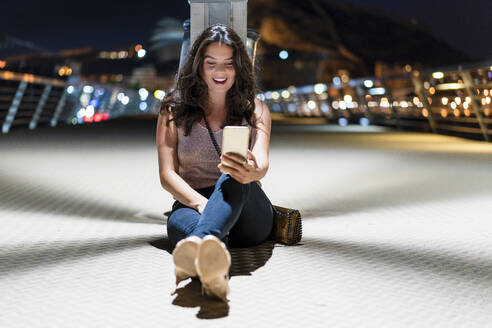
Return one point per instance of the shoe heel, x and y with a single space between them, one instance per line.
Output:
212 265
184 256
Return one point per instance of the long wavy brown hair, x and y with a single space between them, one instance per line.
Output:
188 98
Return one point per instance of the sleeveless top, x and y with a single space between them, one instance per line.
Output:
197 157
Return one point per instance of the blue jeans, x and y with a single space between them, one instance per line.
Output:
242 210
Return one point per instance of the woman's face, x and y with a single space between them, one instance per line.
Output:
218 67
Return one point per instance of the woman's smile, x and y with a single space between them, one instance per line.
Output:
221 81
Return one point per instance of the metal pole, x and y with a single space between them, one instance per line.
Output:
477 107
39 107
205 13
59 109
421 93
14 106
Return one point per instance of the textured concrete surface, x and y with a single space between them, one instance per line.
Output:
397 233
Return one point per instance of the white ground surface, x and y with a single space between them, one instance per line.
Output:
397 233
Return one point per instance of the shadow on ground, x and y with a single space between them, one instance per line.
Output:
244 261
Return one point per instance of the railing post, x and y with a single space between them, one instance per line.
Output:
477 107
39 107
421 93
14 106
362 100
59 109
394 113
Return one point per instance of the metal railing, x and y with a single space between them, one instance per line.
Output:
30 101
453 100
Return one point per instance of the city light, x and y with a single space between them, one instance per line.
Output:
81 113
444 101
142 106
337 81
120 96
368 83
325 108
143 93
311 104
65 70
364 121
320 88
275 95
89 111
283 54
125 100
292 108
3 63
347 98
88 89
438 75
342 121
70 89
450 86
141 53
377 91
98 117
285 94
159 94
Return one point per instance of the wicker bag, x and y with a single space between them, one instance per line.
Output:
287 226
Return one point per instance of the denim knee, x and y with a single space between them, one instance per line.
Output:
232 188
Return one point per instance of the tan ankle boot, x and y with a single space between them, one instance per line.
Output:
212 265
184 256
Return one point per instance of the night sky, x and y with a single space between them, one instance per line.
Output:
66 24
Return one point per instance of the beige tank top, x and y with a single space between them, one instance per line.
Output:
197 157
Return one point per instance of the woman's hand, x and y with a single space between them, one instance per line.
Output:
243 171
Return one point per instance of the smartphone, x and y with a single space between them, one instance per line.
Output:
235 139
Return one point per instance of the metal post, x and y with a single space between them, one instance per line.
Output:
394 113
359 90
477 107
205 13
59 109
421 93
39 107
14 106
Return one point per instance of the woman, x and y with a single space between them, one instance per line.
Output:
218 202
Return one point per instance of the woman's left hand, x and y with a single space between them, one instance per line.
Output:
243 171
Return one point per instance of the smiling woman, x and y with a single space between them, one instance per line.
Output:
218 202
